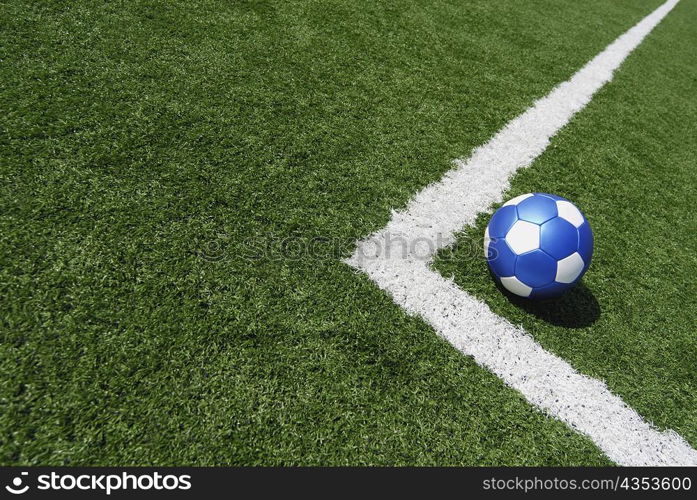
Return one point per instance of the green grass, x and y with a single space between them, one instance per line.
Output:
146 146
629 161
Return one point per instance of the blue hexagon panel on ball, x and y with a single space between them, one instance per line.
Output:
538 245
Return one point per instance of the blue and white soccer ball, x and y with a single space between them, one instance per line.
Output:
538 245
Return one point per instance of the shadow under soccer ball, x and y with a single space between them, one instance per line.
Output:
577 308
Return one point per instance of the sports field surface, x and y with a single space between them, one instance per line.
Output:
183 182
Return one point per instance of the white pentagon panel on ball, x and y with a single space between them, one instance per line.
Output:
513 285
568 211
518 199
523 237
569 268
487 240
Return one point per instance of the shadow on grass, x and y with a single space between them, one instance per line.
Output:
577 308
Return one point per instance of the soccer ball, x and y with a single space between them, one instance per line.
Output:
538 245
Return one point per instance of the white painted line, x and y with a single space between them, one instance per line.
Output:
397 258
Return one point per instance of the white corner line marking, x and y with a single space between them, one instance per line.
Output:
398 258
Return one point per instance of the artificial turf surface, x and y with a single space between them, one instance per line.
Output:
164 164
628 160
